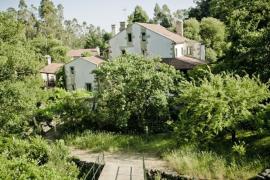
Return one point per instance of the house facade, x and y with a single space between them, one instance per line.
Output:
156 41
79 73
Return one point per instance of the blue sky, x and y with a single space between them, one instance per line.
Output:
103 13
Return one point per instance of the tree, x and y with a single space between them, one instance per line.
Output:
218 105
157 13
139 15
135 93
192 29
166 17
213 36
46 9
201 10
249 37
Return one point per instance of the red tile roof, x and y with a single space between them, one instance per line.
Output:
94 59
164 32
51 68
184 62
78 52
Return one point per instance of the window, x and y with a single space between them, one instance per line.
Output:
88 86
176 55
143 36
182 51
123 51
73 87
129 37
188 50
143 51
72 70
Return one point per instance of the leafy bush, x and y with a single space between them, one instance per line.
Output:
18 106
86 54
218 105
34 159
71 109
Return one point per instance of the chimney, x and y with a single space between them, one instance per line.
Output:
122 26
49 59
113 29
180 27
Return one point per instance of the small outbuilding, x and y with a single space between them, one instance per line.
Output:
49 73
79 73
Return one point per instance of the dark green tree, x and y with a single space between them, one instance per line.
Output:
139 15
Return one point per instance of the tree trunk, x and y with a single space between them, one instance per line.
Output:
233 133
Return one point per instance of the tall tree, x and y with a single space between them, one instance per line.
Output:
157 13
201 10
139 15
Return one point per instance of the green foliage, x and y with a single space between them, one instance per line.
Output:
71 109
49 46
10 30
139 15
86 54
163 16
211 32
34 159
239 148
218 104
248 36
135 92
98 38
17 61
213 36
192 29
201 10
17 107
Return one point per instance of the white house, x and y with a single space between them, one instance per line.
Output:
49 72
79 74
156 41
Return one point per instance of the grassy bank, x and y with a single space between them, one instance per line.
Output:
209 165
111 142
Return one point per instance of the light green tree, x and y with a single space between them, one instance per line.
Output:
192 29
217 105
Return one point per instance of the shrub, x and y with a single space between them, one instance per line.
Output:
86 54
218 105
34 159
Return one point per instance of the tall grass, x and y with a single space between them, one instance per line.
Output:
209 165
112 142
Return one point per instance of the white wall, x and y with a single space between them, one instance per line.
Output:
178 48
82 74
51 76
158 45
